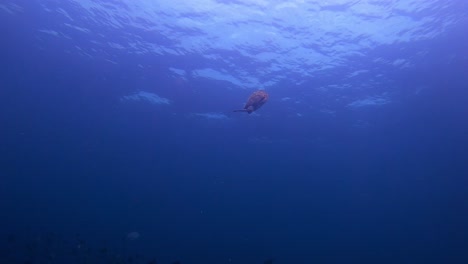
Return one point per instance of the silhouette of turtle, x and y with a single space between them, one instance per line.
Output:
255 101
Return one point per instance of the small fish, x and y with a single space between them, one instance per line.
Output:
255 101
133 236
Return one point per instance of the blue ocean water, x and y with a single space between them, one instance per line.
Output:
118 142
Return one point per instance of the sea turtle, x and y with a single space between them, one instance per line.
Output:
255 101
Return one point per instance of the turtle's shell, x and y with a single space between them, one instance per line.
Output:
256 100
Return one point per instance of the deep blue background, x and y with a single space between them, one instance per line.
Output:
74 160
